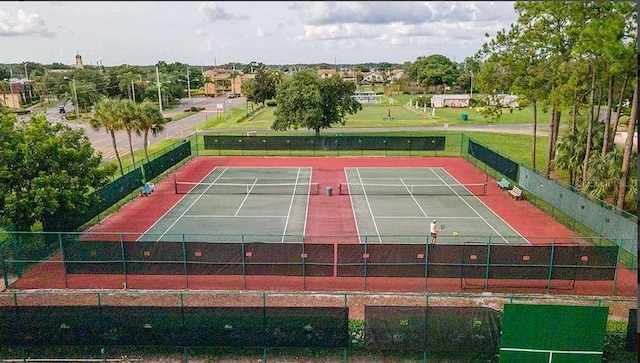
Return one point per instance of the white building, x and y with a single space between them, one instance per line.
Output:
455 101
367 97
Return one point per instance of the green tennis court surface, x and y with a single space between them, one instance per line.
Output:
232 204
390 205
552 333
392 202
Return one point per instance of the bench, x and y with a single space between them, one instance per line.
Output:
388 118
516 192
147 189
504 184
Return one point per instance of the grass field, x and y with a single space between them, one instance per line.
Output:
403 116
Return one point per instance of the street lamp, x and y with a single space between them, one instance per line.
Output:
75 96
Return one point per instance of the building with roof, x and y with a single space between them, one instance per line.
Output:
454 101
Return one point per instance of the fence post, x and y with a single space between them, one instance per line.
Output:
64 267
365 257
486 275
5 271
184 259
124 261
615 274
553 249
304 270
426 262
244 266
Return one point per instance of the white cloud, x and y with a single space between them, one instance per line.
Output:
213 13
23 23
374 12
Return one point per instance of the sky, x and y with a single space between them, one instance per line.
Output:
219 32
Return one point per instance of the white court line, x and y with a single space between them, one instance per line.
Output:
352 206
246 197
473 209
552 352
396 178
190 206
293 196
414 199
491 210
227 216
373 219
410 217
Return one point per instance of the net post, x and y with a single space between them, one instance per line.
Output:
175 183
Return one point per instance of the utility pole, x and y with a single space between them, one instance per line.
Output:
75 96
159 95
133 91
188 83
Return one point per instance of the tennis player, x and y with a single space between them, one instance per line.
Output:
434 231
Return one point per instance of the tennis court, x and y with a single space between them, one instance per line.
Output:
235 203
390 205
393 202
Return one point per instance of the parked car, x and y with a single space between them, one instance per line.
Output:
61 109
231 95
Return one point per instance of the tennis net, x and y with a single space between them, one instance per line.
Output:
235 188
412 189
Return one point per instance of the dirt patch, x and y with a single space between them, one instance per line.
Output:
355 301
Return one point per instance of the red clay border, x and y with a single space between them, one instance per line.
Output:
327 216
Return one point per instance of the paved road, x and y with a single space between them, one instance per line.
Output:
101 140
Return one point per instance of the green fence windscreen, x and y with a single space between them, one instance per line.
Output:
553 333
325 143
432 329
173 326
118 189
603 221
498 162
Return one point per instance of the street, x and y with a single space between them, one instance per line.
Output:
101 140
102 143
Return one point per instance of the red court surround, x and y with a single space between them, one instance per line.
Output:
329 220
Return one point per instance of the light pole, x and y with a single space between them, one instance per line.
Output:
471 97
75 96
188 84
159 95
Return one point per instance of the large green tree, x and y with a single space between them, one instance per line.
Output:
306 101
266 83
50 171
435 70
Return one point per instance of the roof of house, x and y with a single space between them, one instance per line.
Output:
452 97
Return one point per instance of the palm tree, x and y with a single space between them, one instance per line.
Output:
105 117
149 119
569 154
128 114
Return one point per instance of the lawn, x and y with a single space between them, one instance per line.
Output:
404 116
